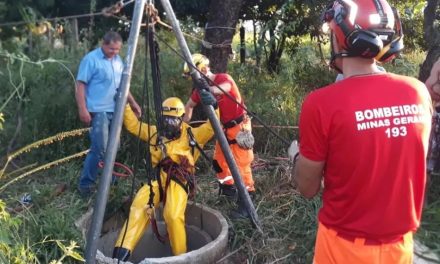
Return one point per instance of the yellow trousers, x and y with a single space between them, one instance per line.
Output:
174 216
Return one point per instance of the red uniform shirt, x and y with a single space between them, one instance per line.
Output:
229 109
372 132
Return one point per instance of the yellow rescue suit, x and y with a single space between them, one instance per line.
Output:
176 196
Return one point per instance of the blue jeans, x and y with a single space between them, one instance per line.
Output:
99 137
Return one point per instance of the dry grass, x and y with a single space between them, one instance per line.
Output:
288 220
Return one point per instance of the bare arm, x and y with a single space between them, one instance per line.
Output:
226 87
80 97
433 81
308 175
189 107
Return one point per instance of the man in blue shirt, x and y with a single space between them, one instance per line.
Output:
98 79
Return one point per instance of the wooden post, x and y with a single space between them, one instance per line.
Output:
72 37
50 36
30 42
242 45
75 30
257 50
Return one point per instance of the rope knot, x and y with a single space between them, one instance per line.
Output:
152 13
181 173
112 10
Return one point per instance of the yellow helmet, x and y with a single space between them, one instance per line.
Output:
173 106
198 60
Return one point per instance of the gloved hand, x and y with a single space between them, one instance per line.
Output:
202 83
293 150
207 98
245 139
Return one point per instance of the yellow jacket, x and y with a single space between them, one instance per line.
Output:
174 148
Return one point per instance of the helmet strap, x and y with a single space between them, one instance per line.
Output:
333 58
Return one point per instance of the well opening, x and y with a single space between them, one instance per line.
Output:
207 238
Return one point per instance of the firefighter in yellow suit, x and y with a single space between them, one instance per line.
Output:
176 158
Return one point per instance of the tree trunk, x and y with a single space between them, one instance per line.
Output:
256 46
276 51
432 37
219 30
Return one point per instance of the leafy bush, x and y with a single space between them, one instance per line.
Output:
39 94
276 99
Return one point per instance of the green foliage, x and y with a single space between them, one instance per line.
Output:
430 228
406 64
277 99
411 13
13 247
429 231
33 12
195 10
16 247
43 91
2 120
37 98
281 24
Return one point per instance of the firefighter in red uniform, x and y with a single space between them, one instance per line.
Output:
367 138
236 126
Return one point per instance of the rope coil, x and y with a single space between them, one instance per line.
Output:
127 171
112 10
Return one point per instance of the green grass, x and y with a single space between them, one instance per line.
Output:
43 232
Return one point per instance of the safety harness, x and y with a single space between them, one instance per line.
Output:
193 143
233 122
179 173
230 124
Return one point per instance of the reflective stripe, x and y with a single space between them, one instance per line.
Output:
225 179
228 178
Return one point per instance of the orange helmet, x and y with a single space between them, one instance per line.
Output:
366 28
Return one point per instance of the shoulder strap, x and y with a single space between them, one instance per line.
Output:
193 143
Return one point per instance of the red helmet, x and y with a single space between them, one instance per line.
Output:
366 28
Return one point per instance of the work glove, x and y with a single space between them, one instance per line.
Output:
207 98
202 84
245 139
293 150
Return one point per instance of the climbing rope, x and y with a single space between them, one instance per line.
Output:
156 77
224 92
151 47
109 11
253 126
147 153
155 19
179 173
126 170
206 44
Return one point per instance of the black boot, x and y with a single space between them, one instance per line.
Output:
227 190
121 253
241 211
